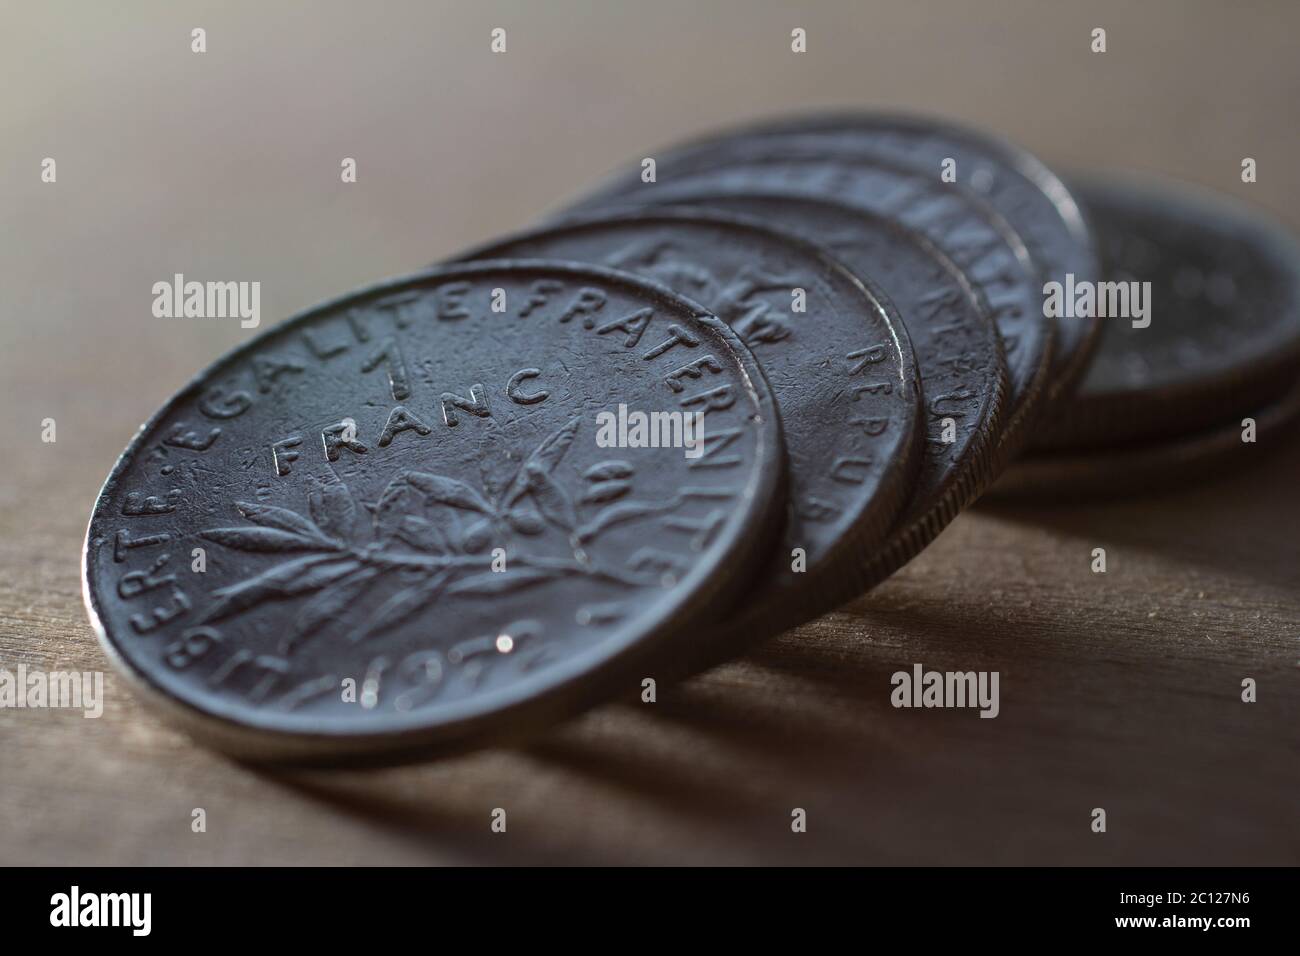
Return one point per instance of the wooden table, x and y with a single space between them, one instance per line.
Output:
1118 690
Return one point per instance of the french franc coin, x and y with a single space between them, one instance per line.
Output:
1029 196
415 535
1207 326
835 354
963 227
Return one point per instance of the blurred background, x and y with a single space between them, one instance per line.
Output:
226 165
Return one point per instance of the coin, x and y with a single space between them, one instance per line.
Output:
837 357
1032 199
1156 465
963 227
396 523
1221 333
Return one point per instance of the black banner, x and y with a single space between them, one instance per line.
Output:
357 906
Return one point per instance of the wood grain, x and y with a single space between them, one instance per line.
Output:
1118 690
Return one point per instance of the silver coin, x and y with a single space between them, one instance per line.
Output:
390 525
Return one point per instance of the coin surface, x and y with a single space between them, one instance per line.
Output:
963 375
836 356
1033 200
963 227
1160 465
395 522
1221 333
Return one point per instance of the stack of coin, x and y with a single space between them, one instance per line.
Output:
740 383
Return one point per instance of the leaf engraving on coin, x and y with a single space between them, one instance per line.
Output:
419 538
